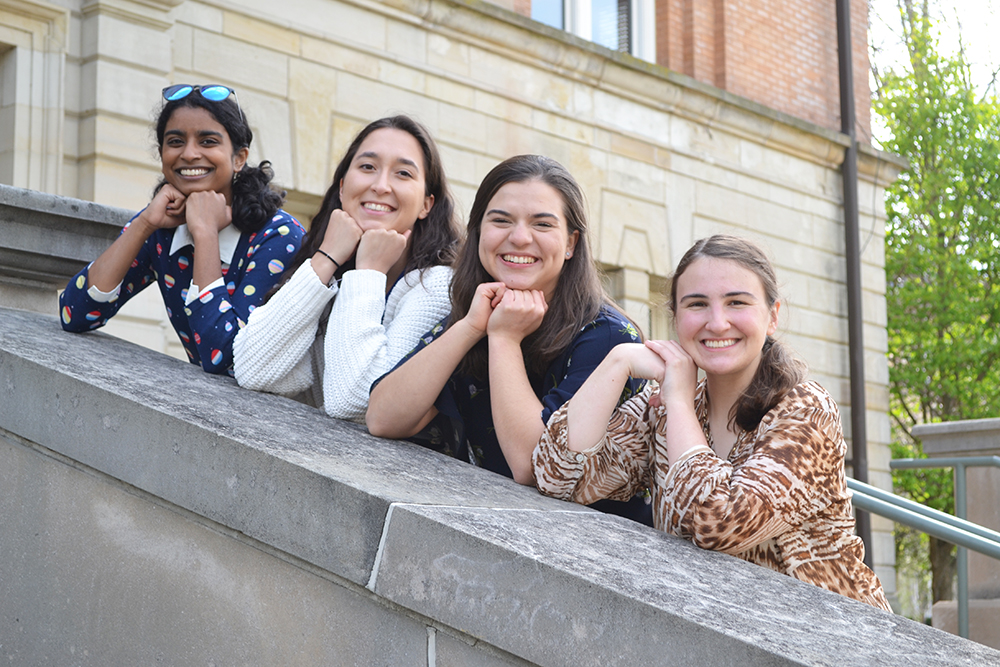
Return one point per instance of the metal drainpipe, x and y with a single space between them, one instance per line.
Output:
852 251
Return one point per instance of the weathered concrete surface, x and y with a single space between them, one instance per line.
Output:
159 513
45 240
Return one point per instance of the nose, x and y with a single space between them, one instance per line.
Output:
381 182
191 151
717 320
520 234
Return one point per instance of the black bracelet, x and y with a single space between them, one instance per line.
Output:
335 262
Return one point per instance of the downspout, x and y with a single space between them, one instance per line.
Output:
852 252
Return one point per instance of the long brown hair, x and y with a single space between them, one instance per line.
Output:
779 370
578 296
434 239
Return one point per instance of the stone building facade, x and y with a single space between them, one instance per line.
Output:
738 132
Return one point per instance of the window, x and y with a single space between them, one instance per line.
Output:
620 25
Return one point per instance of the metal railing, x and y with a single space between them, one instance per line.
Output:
954 529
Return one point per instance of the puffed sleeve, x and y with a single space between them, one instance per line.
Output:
79 310
617 467
793 472
215 316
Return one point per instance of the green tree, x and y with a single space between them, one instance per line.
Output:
942 249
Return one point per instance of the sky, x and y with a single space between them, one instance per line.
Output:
976 21
971 23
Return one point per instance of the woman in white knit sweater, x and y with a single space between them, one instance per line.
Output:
371 277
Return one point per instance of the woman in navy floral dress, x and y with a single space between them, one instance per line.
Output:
214 236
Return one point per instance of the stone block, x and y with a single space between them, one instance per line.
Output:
316 86
97 573
406 41
254 31
401 76
109 36
121 89
984 620
367 100
337 57
568 577
244 65
119 139
183 47
159 431
123 184
637 179
200 16
461 127
448 54
504 109
613 111
450 651
633 233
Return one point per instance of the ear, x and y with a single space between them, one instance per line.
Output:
772 325
428 205
240 158
571 243
340 192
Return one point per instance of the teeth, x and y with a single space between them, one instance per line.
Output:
720 343
200 171
518 259
372 206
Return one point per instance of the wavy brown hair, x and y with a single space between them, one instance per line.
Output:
779 370
578 296
434 239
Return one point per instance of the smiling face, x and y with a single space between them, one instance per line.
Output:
197 154
524 239
723 318
384 185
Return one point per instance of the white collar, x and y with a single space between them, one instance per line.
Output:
228 238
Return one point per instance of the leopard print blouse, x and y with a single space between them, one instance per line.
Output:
780 500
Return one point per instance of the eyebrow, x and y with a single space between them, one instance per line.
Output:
500 211
202 133
727 294
374 155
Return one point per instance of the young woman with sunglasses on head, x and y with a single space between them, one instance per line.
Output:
749 461
372 276
214 236
529 322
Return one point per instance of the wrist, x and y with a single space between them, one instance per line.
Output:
468 330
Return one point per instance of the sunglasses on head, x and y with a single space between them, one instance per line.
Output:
214 93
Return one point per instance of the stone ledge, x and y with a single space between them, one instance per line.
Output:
548 581
47 239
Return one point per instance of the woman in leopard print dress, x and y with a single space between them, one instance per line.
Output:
750 461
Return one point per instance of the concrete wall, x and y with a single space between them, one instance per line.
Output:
664 159
157 514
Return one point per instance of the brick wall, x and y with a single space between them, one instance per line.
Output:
780 53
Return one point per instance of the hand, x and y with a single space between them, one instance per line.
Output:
207 214
380 249
165 211
680 377
518 314
643 363
343 234
487 296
